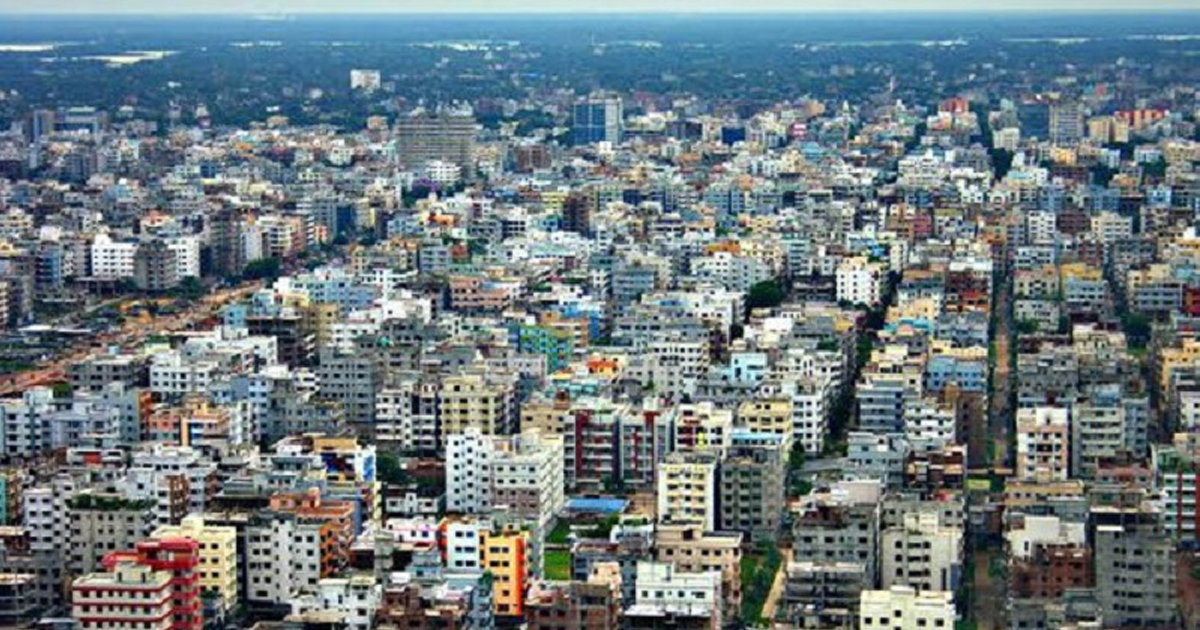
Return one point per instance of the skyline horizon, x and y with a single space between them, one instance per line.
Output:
297 8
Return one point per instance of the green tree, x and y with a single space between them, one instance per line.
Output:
796 458
766 294
190 289
1157 169
1137 329
390 469
264 269
1001 162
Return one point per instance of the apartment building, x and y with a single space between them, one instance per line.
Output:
1043 444
131 593
905 608
687 490
841 525
506 555
112 260
523 472
922 553
860 281
354 599
102 523
667 596
180 559
768 416
1135 576
97 372
594 604
218 554
486 402
751 495
608 445
1047 556
694 551
820 595
332 519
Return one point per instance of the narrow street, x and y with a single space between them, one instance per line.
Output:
776 594
992 437
989 599
1000 414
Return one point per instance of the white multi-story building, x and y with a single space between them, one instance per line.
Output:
860 281
406 416
1030 531
903 608
927 422
187 255
673 366
283 559
47 517
810 403
1043 444
25 422
663 590
527 476
1110 227
355 598
686 491
522 472
144 484
1041 227
1101 431
464 540
112 260
172 374
468 472
443 172
922 553
731 271
180 460
1008 139
366 80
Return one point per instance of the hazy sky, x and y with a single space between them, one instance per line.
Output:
590 6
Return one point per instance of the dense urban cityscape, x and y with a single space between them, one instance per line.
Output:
625 322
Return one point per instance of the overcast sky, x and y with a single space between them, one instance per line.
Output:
570 6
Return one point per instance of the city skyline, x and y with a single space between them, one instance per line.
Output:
148 7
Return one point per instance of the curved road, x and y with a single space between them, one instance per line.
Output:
131 334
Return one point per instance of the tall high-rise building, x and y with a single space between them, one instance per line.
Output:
366 80
1066 123
577 214
155 267
599 120
449 137
225 238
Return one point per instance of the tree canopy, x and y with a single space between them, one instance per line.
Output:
766 294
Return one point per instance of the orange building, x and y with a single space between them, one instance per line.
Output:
505 554
195 423
336 520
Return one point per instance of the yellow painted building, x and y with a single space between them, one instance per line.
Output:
768 416
505 555
218 554
1177 358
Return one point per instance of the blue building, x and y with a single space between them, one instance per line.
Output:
599 120
970 375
